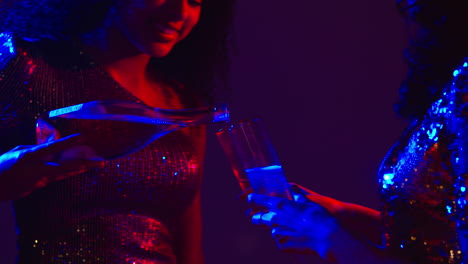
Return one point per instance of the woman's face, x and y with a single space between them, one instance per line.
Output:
155 26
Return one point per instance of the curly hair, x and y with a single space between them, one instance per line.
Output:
207 46
438 44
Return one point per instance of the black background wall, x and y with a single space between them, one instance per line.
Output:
324 76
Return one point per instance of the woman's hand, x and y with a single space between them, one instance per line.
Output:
298 226
339 232
26 168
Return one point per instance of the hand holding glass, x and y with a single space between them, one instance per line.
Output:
253 158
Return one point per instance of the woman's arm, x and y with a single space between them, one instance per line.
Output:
360 220
27 168
322 226
189 246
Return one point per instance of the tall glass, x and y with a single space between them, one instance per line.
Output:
253 158
117 128
254 161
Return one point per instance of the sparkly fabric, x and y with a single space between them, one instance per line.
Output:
126 212
423 180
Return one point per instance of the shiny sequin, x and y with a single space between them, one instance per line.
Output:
423 182
126 212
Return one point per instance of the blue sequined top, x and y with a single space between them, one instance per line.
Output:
126 212
423 182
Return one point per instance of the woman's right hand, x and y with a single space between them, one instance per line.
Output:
337 231
300 226
27 168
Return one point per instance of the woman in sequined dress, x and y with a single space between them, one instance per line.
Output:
143 208
423 178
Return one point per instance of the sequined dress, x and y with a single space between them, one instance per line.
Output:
126 212
423 182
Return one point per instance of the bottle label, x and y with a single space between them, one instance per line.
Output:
65 110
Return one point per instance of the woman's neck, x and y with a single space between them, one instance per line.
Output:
129 67
126 64
115 54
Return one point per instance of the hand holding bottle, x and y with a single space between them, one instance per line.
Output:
114 128
27 168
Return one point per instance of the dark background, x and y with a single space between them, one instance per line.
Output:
323 75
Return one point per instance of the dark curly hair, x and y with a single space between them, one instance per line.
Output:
207 46
438 44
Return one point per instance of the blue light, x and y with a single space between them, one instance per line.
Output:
455 73
465 64
272 167
432 133
7 49
65 110
449 209
8 43
388 180
463 189
268 216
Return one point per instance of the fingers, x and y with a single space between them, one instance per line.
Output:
244 194
282 232
268 202
56 146
81 165
59 171
70 167
21 147
262 218
289 246
265 210
294 242
298 195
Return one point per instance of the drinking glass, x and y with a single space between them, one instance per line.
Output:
254 161
253 158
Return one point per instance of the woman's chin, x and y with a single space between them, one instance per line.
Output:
158 50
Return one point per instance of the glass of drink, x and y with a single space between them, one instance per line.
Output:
253 158
254 161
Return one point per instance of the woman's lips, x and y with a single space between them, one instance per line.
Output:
166 32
